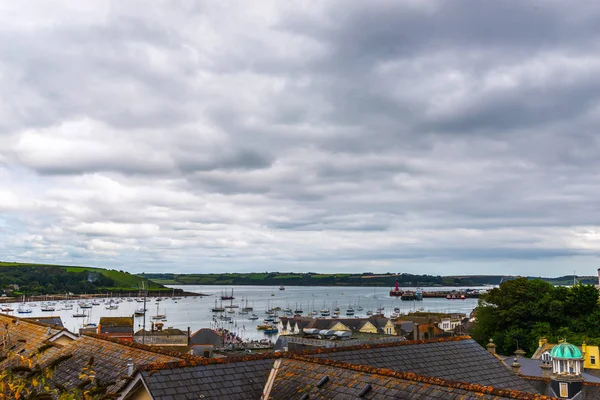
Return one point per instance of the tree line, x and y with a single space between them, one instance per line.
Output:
37 280
521 311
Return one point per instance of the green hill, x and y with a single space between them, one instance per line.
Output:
33 278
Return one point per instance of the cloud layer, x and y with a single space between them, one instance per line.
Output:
199 136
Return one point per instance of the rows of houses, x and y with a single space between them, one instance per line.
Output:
445 367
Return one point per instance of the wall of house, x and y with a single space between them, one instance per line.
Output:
368 328
139 394
389 328
160 340
340 327
63 340
591 356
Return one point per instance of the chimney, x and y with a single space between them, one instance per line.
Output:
491 347
546 369
542 341
189 335
415 335
130 366
520 353
516 367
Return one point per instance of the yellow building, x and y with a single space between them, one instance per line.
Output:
591 356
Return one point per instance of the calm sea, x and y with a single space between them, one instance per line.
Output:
195 313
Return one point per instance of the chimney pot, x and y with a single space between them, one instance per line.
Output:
520 353
546 369
130 366
491 347
516 367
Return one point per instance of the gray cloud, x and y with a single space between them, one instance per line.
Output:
438 137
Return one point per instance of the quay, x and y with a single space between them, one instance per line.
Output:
458 294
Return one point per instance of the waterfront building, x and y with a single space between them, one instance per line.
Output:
116 327
373 325
168 338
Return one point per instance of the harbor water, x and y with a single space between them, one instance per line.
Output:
194 312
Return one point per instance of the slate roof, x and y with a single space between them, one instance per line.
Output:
230 380
300 322
163 332
296 377
460 359
110 360
55 321
206 336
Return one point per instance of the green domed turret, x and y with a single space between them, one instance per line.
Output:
565 351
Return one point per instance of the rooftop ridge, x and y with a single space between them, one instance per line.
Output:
139 346
14 319
547 380
411 376
196 361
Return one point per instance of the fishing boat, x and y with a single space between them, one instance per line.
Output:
350 311
47 308
419 294
272 330
263 327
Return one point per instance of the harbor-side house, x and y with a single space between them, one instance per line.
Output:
165 337
116 327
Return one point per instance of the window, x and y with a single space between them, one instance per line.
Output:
546 356
593 360
563 389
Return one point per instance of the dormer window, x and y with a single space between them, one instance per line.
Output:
545 356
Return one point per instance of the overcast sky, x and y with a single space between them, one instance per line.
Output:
439 137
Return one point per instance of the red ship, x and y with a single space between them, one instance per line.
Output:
396 292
